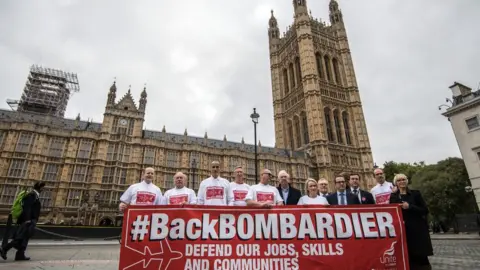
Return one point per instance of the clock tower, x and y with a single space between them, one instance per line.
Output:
123 120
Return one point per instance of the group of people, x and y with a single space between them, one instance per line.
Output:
218 191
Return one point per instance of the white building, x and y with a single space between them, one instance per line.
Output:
464 116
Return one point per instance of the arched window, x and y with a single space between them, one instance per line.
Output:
298 71
292 76
298 132
336 70
285 81
306 139
290 134
327 67
328 124
346 127
338 131
318 57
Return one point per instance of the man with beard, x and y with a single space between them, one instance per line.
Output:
215 189
290 195
381 192
323 187
143 193
180 194
27 221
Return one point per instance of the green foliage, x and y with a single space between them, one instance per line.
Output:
442 185
391 168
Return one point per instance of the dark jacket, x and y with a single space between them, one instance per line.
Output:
351 199
365 197
31 208
416 224
294 196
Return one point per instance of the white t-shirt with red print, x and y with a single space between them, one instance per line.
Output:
176 196
213 191
264 193
142 194
381 192
237 194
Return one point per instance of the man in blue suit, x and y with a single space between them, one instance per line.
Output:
342 196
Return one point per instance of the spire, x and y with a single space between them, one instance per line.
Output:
185 132
142 104
78 117
243 141
112 94
300 6
225 137
336 16
205 136
163 129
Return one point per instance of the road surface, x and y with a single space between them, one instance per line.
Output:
449 255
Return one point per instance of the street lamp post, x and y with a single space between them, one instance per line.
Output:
194 168
255 117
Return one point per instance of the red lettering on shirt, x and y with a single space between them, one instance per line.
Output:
178 199
214 193
239 195
382 198
264 196
145 198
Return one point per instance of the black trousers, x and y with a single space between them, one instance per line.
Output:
20 238
419 263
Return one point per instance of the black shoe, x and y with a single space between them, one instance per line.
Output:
22 258
3 253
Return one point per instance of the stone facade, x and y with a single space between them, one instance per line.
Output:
88 165
317 106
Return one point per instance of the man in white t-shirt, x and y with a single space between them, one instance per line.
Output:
263 194
214 190
143 193
381 192
180 194
238 189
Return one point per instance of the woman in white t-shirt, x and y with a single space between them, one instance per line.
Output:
312 197
180 194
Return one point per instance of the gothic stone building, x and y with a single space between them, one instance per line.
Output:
319 125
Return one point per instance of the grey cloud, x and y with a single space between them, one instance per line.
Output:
206 63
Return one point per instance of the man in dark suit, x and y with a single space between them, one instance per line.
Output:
364 196
26 224
342 196
290 195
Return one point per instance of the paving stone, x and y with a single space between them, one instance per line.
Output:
449 255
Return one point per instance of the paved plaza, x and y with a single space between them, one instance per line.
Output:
449 255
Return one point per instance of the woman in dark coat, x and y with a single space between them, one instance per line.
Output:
415 213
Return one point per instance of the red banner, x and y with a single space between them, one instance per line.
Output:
282 238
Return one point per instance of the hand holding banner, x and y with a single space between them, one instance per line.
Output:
288 237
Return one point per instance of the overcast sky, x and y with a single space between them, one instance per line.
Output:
206 62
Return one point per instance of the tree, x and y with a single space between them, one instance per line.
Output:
390 168
443 188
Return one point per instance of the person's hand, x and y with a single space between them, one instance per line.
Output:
394 189
122 206
405 205
267 204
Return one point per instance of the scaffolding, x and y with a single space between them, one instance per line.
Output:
46 91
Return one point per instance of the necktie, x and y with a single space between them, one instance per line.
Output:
342 199
355 191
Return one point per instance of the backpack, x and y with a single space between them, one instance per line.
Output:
17 207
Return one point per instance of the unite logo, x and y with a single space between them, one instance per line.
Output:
388 259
